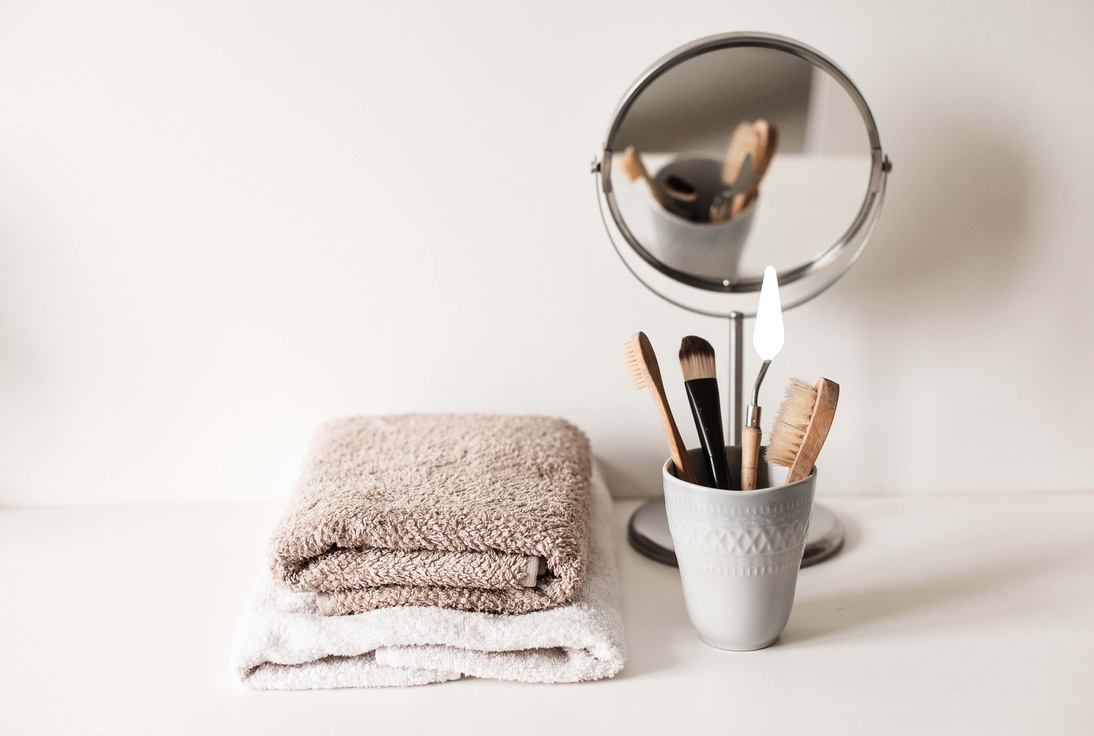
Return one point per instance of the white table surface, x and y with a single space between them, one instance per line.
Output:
970 614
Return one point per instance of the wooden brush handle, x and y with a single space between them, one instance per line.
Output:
750 457
679 452
767 141
635 168
647 358
817 432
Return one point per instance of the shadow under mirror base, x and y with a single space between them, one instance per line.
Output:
648 532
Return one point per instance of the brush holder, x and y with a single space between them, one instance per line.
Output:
698 248
738 551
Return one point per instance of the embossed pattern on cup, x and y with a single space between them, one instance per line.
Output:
739 553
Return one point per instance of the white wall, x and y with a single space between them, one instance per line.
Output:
222 223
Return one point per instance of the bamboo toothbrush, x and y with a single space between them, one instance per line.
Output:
755 142
633 167
675 189
721 205
767 338
697 364
742 144
642 367
801 426
766 142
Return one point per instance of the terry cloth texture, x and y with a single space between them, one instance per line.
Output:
284 642
452 510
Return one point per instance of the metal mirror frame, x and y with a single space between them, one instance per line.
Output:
799 284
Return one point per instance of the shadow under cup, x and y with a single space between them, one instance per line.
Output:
739 551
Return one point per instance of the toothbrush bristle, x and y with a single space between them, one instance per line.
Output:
634 368
791 421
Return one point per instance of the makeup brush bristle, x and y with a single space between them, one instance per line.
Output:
634 366
791 421
697 358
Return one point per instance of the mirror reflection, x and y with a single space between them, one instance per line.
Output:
736 159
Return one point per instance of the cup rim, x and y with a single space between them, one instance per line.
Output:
687 224
669 470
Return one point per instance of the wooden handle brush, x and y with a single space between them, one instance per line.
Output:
766 142
676 196
750 452
742 144
633 167
801 426
642 367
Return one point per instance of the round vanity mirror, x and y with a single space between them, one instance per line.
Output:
730 154
734 153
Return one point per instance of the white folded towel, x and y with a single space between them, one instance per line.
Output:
283 643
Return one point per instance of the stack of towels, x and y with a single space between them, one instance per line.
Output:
424 548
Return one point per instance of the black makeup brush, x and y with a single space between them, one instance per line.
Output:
697 363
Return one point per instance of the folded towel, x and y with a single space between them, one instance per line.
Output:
455 510
283 641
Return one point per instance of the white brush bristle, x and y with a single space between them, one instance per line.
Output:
791 421
634 366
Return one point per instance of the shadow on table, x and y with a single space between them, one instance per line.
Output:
850 613
657 627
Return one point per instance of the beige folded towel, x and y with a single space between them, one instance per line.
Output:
284 642
470 511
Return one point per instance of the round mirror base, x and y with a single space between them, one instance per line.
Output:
648 532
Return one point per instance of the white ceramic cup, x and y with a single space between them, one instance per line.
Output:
705 249
739 551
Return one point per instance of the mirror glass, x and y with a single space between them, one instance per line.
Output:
723 160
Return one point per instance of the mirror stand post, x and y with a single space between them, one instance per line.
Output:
736 370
